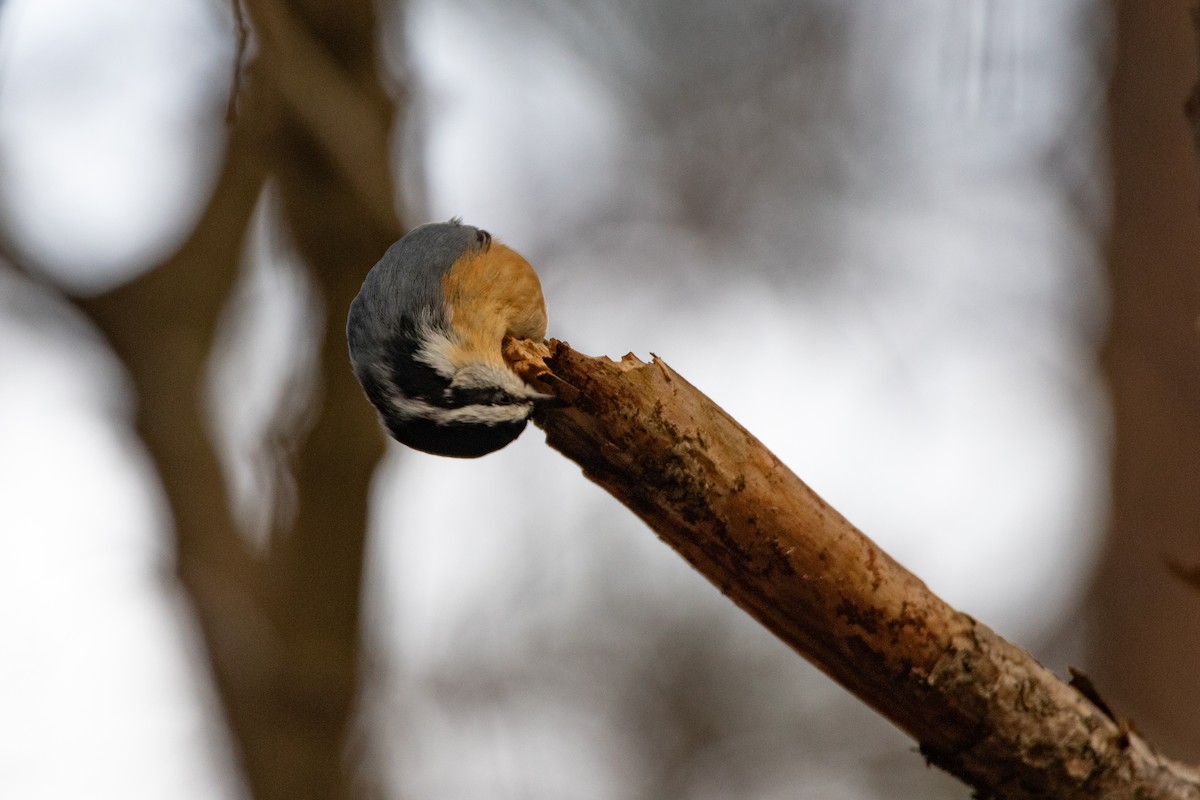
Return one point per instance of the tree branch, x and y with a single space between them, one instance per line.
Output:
282 626
980 707
346 113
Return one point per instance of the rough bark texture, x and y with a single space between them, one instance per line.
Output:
980 707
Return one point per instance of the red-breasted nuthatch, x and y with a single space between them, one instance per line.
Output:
425 334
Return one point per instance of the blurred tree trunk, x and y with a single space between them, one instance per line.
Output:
1147 624
282 628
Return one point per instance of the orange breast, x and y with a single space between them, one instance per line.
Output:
492 294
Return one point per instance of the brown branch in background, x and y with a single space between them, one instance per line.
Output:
1143 627
161 326
339 215
980 707
349 119
239 60
1188 573
1191 106
282 627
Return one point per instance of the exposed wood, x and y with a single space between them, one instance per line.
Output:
980 707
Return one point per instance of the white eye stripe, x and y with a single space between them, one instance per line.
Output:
406 407
412 408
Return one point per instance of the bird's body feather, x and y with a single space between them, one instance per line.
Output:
425 335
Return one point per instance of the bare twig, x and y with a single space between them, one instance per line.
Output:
980 707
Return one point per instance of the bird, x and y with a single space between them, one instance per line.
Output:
425 334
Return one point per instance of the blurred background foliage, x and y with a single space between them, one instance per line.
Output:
940 256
